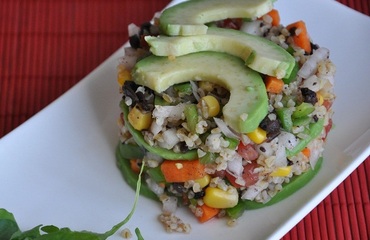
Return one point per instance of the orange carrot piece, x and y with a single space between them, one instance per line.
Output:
301 39
273 84
274 14
208 213
182 170
307 152
134 166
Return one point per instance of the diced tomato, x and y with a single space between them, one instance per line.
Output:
232 179
248 152
220 174
249 176
327 104
233 23
328 128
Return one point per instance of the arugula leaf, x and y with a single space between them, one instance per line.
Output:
8 225
9 228
137 194
138 234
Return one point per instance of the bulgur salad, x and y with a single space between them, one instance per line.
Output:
222 121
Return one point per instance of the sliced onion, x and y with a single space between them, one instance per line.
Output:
133 29
155 128
170 139
253 27
194 88
251 192
235 166
170 112
288 140
158 190
280 156
129 59
310 66
169 204
315 153
225 129
312 83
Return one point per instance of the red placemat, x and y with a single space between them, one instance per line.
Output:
48 46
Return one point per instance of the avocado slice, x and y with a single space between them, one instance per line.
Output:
248 103
260 54
189 17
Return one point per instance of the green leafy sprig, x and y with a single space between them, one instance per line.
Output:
9 229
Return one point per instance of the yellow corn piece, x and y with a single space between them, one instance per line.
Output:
138 119
204 181
218 198
281 171
207 86
258 135
212 104
123 75
320 99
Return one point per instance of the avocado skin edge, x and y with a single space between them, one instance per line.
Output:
290 188
130 177
295 184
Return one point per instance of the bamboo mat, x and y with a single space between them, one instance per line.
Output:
46 47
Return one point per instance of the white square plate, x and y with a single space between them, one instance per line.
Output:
59 167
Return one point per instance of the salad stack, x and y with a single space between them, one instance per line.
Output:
224 108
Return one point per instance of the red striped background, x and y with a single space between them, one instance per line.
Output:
48 46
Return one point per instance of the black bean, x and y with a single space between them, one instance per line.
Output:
273 126
145 101
292 31
129 90
145 28
200 194
272 135
178 187
264 123
314 46
134 41
183 147
315 118
309 96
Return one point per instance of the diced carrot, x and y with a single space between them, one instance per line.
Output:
134 166
273 84
182 170
307 152
208 213
300 35
274 14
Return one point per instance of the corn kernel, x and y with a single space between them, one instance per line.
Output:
320 99
212 105
281 171
217 198
138 119
123 75
205 85
258 135
204 181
